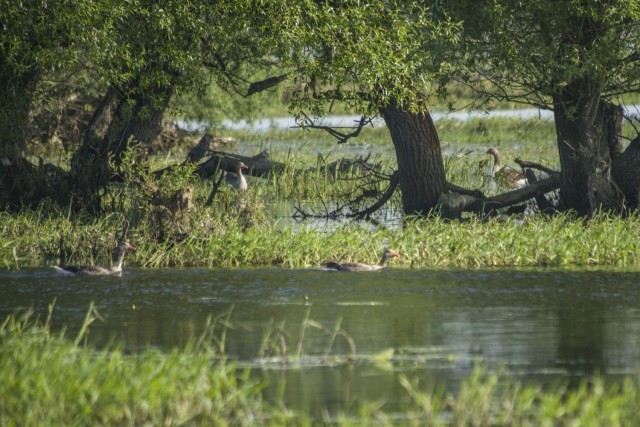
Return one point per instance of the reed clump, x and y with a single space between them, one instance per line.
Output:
48 380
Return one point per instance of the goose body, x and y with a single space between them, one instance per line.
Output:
92 270
236 179
513 177
338 266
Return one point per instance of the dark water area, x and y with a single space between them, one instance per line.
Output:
540 325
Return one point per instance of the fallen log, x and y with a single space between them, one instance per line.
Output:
452 205
259 165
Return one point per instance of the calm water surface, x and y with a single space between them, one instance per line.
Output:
541 325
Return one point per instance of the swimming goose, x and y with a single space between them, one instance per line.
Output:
513 177
388 253
91 270
236 179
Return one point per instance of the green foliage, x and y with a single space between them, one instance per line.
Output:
38 39
47 379
364 54
532 50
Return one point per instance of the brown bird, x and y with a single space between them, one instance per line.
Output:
236 179
513 177
91 270
388 253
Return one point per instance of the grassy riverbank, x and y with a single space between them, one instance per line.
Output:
34 238
48 379
248 232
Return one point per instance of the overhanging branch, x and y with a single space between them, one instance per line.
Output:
332 130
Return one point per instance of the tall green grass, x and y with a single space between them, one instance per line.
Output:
47 379
226 240
239 230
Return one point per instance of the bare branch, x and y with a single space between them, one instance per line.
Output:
526 164
331 130
393 184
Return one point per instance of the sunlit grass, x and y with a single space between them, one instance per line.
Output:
49 379
238 230
229 239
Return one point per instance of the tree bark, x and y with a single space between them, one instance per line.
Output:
587 130
114 122
625 171
417 146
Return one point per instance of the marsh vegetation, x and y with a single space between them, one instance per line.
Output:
90 153
198 384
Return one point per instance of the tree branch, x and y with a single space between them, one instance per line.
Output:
393 184
265 84
341 137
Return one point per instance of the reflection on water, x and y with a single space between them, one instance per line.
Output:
542 325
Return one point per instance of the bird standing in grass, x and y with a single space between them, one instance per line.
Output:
236 179
514 178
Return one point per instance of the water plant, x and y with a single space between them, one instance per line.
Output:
48 379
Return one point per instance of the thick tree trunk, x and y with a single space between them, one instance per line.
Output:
144 123
588 130
417 146
114 122
625 171
16 95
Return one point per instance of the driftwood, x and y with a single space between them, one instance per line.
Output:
452 205
259 165
457 189
544 205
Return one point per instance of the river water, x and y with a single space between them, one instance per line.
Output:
541 325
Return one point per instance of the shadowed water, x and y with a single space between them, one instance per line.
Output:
542 325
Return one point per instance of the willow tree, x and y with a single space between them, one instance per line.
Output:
574 57
136 55
40 42
378 59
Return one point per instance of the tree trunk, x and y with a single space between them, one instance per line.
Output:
587 130
422 176
114 122
143 122
16 95
625 171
